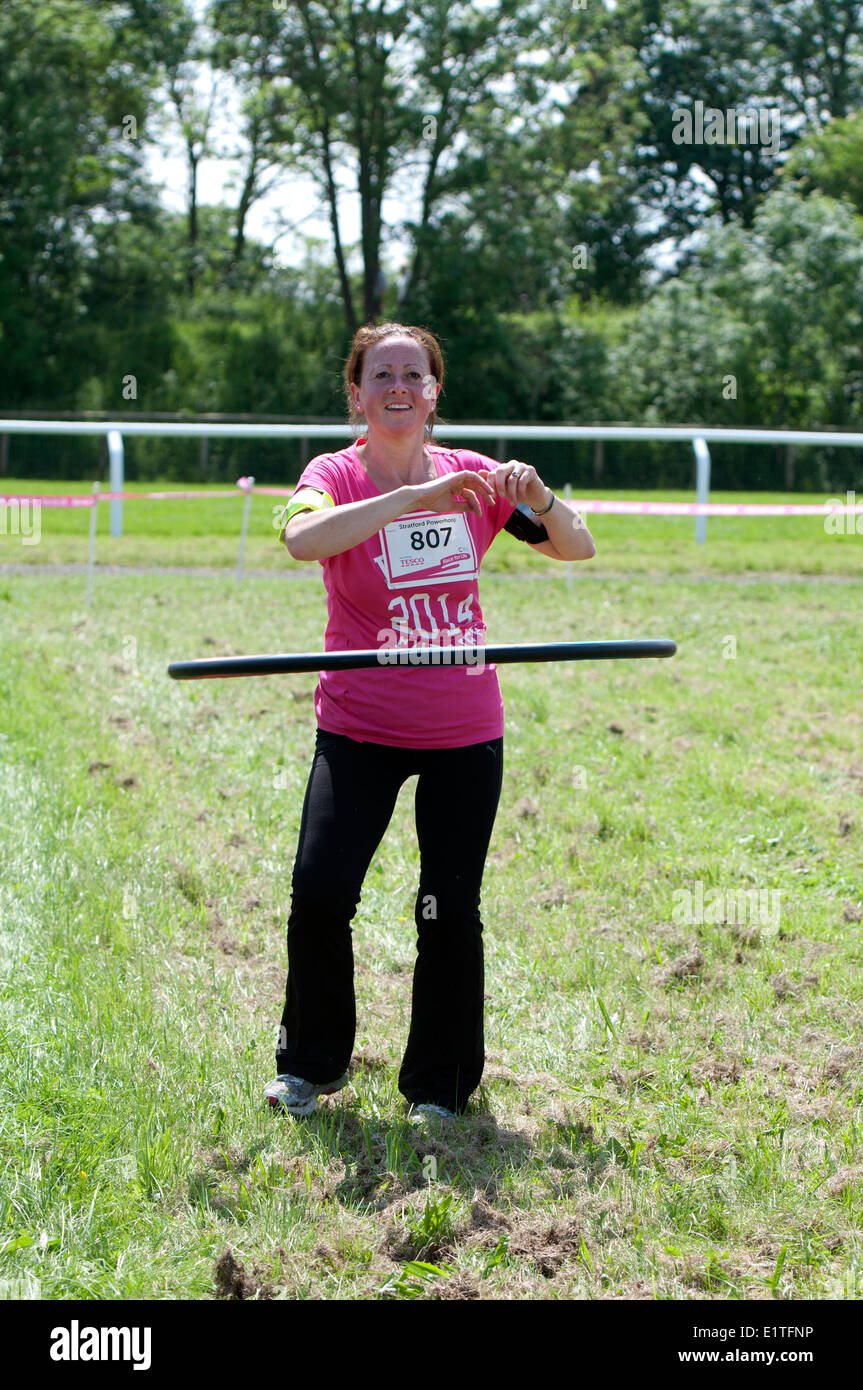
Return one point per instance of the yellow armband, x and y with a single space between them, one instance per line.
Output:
305 499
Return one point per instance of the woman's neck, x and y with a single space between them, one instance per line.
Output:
399 461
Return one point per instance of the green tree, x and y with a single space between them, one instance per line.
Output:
815 48
70 104
831 160
721 56
763 328
372 88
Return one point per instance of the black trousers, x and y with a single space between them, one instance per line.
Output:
349 801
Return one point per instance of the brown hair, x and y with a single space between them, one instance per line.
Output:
370 334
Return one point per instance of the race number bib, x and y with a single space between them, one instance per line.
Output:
427 548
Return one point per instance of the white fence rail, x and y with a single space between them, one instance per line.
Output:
700 437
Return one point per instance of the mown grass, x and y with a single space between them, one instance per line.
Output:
205 532
668 1111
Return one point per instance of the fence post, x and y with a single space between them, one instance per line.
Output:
247 484
501 449
702 486
115 455
91 556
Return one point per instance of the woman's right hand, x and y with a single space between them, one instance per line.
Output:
455 492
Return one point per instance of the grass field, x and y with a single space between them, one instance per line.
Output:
670 1110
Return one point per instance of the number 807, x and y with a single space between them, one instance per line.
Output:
430 538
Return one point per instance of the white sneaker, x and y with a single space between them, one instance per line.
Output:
428 1111
300 1097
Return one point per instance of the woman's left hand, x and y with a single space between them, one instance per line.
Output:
517 482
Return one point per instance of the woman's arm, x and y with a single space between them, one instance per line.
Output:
319 535
568 536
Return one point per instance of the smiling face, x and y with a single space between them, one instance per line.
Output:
397 391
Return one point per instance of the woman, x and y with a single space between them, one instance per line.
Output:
400 527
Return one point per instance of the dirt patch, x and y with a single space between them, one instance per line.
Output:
303 1183
549 1247
528 1079
636 1080
233 1281
721 1070
369 1060
839 1063
463 1286
372 1183
814 949
496 1073
216 925
781 1062
686 967
485 1217
187 881
558 895
636 1289
650 1042
228 946
783 987
845 1180
746 936
792 1080
404 1238
228 1160
709 1276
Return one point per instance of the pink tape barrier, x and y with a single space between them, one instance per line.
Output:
715 508
81 501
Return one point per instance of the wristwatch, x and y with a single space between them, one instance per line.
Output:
548 508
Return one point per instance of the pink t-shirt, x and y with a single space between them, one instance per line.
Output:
415 582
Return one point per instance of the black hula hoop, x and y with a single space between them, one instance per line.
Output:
215 668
